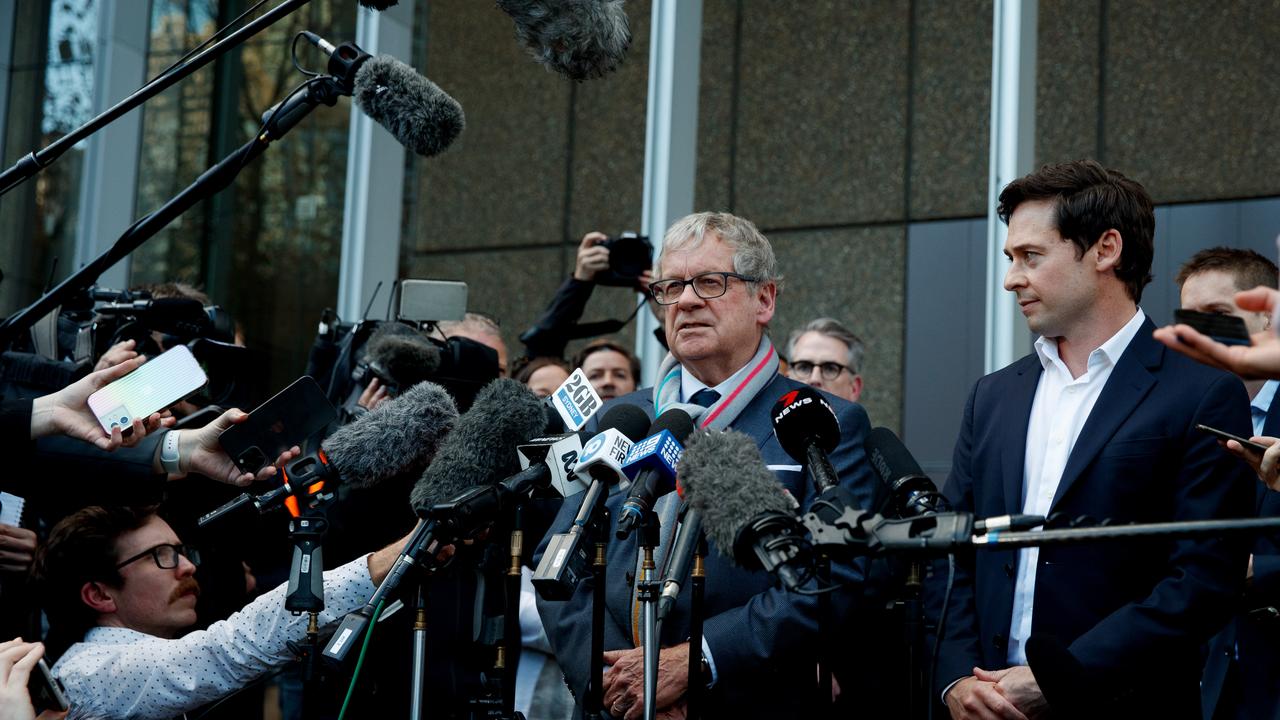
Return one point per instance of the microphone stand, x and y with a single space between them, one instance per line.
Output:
697 587
418 683
822 706
33 162
511 621
913 637
323 90
594 702
306 591
647 592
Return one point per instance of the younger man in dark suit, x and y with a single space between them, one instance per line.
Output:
1099 421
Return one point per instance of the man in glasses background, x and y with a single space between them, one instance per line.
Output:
119 589
827 355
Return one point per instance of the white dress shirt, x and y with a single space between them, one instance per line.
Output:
122 673
1061 407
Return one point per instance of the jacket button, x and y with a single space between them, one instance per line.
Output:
998 641
1008 569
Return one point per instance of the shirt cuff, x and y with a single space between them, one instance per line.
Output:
947 689
711 663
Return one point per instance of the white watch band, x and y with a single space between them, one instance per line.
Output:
169 452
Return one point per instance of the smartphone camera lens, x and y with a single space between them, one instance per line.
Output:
124 419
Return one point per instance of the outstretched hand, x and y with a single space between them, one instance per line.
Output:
67 411
200 452
1257 361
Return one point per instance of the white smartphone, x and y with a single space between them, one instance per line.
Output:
159 383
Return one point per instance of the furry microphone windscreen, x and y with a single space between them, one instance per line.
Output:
722 475
481 448
579 39
420 115
402 353
399 436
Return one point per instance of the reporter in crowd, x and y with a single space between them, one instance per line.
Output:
610 368
827 355
1241 669
118 588
1099 421
542 375
718 287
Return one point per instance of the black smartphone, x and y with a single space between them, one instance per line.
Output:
45 690
1224 435
1226 329
293 415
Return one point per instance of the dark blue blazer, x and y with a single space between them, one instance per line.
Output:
1253 635
764 640
1133 615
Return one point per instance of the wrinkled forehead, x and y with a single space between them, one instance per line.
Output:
703 248
152 533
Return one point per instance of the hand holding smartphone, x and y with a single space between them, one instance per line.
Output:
1224 435
161 382
1226 329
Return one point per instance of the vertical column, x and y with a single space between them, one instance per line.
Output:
109 183
375 177
1013 131
8 14
671 136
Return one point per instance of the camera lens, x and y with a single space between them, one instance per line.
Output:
124 419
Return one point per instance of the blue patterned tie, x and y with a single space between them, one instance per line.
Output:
706 397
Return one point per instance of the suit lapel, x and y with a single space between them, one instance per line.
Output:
1015 411
1129 383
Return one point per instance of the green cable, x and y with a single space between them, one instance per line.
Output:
368 634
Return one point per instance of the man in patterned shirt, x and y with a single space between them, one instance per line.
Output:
118 583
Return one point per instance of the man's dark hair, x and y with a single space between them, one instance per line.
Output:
1089 200
1247 268
81 548
596 346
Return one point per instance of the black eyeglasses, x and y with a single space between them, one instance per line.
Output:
801 369
707 285
166 556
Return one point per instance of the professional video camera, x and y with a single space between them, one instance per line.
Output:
64 347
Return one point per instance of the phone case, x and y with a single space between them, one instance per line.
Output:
159 383
287 419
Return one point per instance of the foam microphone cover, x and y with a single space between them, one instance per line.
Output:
802 417
579 39
481 448
412 108
403 353
399 436
626 419
723 477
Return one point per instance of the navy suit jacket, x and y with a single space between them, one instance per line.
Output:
764 640
1253 635
1133 615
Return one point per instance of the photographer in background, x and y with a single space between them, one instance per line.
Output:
616 262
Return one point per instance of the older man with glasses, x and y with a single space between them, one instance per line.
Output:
119 587
716 289
827 355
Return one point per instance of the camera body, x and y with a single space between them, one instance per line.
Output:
629 256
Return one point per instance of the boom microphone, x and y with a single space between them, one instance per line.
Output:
412 108
401 356
724 478
481 448
913 492
399 436
579 39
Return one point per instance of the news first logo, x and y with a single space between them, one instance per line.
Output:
576 400
612 445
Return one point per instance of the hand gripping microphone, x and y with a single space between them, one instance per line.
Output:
651 464
400 436
807 428
742 506
480 447
566 560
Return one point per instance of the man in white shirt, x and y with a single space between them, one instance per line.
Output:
1100 422
118 583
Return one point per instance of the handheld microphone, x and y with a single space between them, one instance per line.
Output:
556 455
579 39
566 561
651 464
399 436
741 504
688 537
807 429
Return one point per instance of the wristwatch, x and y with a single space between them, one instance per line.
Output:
169 452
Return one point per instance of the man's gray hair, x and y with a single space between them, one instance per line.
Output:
836 330
472 322
752 254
